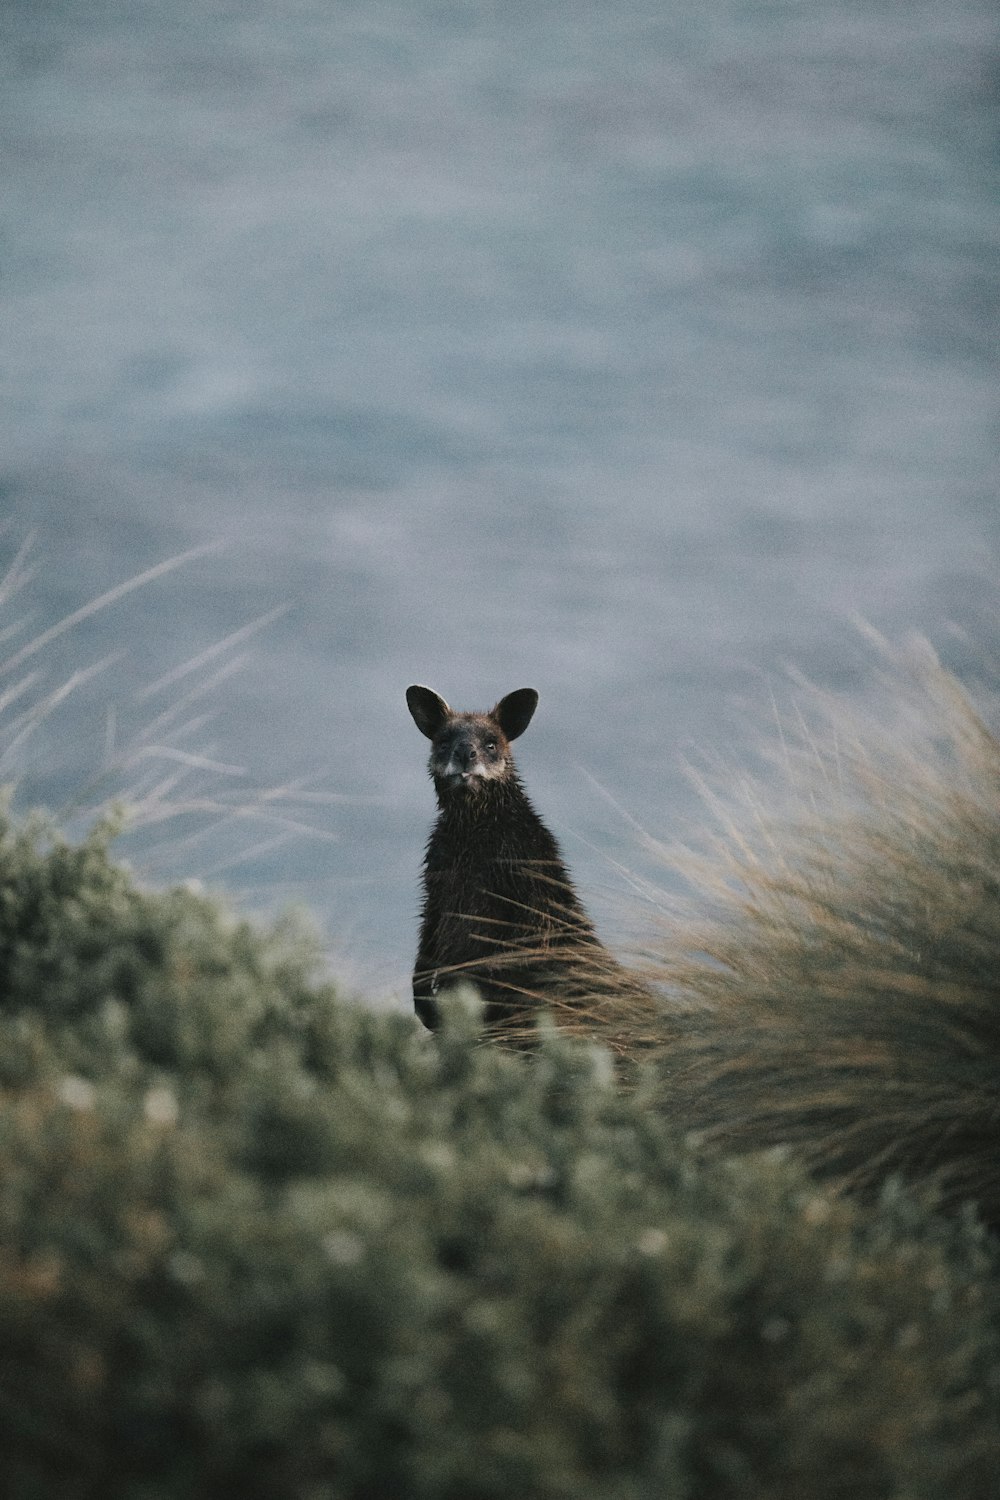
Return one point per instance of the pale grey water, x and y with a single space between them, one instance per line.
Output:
625 351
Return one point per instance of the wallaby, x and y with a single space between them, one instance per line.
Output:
499 908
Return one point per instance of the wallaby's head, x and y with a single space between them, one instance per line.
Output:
470 752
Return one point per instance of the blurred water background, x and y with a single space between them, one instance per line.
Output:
626 351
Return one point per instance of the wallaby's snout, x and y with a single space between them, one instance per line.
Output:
465 754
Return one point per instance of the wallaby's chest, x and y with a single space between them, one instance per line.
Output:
471 863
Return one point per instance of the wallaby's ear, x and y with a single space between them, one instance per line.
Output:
428 708
514 712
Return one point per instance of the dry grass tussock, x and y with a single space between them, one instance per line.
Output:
840 992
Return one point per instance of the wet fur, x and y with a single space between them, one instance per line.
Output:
499 910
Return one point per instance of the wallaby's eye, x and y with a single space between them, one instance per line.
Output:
491 747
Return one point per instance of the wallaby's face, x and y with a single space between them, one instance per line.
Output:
470 751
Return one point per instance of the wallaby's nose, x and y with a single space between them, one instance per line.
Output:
466 755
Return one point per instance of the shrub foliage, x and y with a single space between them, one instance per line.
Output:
255 1241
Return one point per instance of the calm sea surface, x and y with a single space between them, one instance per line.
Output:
626 351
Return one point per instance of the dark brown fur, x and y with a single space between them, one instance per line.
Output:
499 909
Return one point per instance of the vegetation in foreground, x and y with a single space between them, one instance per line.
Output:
256 1241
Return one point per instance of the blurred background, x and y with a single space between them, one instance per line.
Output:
625 351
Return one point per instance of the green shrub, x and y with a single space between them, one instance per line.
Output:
258 1242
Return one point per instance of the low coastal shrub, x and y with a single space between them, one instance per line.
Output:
258 1241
